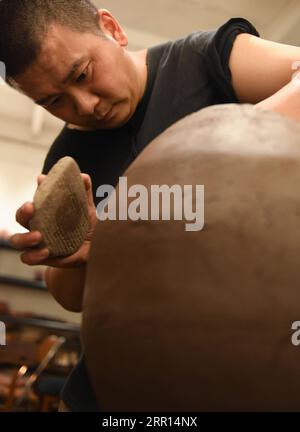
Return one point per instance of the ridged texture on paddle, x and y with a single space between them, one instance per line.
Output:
61 209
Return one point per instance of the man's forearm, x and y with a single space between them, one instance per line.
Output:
286 101
66 286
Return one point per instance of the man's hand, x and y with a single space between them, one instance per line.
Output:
30 242
65 277
286 101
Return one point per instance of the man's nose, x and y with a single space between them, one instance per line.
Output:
85 104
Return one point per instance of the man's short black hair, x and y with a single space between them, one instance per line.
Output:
24 23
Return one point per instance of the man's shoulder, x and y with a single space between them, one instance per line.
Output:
178 44
200 39
181 50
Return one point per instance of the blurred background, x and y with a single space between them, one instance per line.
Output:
26 133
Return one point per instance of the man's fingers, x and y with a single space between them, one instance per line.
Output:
89 189
40 179
41 257
35 257
27 240
78 259
87 181
24 214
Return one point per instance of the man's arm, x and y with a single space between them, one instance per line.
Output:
65 276
260 68
67 286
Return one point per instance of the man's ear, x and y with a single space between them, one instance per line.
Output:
112 29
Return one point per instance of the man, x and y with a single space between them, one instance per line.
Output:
72 60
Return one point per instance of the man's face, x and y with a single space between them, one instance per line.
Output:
83 79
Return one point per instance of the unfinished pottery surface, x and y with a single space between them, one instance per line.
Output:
191 321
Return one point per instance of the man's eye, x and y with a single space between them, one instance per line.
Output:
81 77
54 102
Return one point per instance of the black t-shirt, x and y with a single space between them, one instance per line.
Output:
183 76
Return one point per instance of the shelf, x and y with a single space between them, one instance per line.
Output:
24 283
19 281
41 323
5 244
